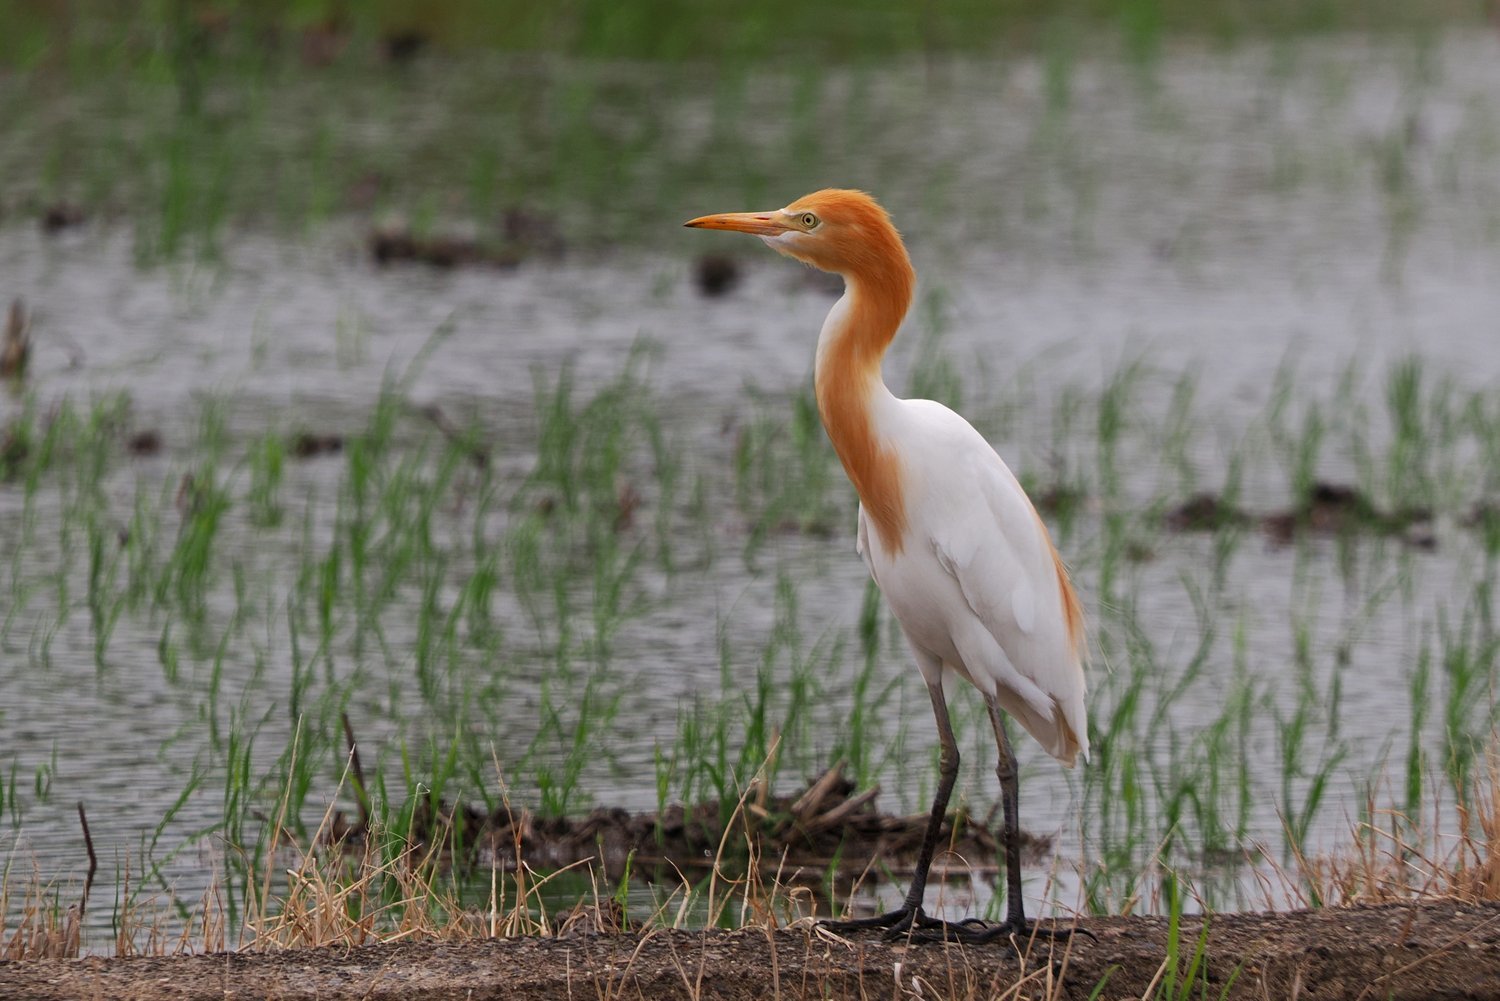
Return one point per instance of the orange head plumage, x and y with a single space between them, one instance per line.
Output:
848 233
836 229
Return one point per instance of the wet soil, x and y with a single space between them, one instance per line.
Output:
1402 951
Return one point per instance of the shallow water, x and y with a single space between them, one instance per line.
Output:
1235 213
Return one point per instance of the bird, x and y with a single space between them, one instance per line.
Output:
956 548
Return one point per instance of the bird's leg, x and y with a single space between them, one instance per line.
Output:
909 914
1015 927
947 775
1010 801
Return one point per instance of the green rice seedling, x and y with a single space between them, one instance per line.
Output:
722 743
869 701
1300 807
1170 691
475 602
46 772
1244 705
152 878
535 585
1419 701
433 642
1116 543
934 374
666 772
139 544
785 472
1482 417
1176 981
1177 433
203 505
1142 25
583 453
105 599
267 459
1470 658
10 803
168 656
326 584
1221 802
1230 532
667 474
195 194
1303 457
1064 492
242 858
1115 784
616 600
1059 58
1116 403
18 442
321 194
1410 479
587 713
1278 412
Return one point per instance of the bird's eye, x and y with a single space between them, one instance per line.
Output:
809 220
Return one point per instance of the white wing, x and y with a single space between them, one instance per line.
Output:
1013 626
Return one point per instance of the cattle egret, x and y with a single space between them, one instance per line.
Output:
949 536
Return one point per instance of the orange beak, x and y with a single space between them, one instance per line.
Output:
756 223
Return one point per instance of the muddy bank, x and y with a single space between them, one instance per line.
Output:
826 825
1407 951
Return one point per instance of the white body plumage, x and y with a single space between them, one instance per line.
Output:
975 585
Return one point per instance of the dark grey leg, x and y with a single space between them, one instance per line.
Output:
1010 794
910 914
947 775
1015 927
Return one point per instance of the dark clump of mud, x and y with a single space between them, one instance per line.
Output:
716 274
521 235
404 45
825 825
1328 509
390 245
144 443
1204 512
311 444
1484 516
60 216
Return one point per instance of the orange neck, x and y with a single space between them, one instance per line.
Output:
848 383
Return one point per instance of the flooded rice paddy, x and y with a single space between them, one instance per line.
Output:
1242 273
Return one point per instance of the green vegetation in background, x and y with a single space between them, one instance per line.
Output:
675 30
188 121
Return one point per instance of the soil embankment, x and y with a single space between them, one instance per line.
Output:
1434 950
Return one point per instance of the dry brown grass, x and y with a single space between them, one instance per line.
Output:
384 890
1451 853
38 925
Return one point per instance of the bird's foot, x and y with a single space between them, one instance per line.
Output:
895 924
1019 933
916 926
